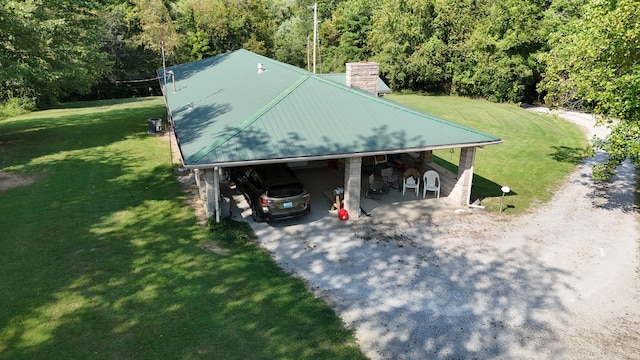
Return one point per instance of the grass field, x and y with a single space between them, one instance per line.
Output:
101 257
537 153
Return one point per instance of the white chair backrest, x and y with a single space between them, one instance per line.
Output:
430 177
410 181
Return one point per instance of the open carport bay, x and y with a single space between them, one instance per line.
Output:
320 182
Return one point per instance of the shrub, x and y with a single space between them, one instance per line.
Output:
16 106
230 232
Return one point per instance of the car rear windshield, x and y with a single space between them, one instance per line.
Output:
280 191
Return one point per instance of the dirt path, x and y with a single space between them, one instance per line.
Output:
10 180
561 283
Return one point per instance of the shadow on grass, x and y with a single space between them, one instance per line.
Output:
28 139
482 187
133 284
99 103
572 155
102 259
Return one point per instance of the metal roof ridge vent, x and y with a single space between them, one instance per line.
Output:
363 75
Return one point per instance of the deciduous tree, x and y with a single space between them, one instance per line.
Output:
399 28
218 26
595 60
49 49
498 60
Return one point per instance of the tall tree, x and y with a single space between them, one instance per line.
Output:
354 25
344 35
453 24
291 42
158 31
499 59
595 59
399 28
132 63
49 49
218 26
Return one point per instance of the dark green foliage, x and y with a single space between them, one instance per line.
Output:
400 29
212 27
291 42
49 49
16 106
593 64
486 49
498 61
472 48
132 73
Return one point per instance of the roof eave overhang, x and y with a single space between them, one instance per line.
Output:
334 156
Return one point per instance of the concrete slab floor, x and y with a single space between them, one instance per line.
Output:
391 206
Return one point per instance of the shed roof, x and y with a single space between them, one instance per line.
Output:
225 112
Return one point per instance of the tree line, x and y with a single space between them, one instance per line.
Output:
580 54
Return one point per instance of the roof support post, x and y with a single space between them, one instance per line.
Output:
461 192
427 157
199 176
216 192
212 193
352 186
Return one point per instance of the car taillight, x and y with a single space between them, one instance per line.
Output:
264 201
307 197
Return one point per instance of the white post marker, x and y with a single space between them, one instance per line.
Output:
505 189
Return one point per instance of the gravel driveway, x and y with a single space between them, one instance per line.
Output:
560 283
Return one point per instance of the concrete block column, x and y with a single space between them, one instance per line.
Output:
352 186
426 158
465 175
199 176
212 193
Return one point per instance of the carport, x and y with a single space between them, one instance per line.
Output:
240 108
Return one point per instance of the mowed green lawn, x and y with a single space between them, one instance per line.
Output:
537 154
101 257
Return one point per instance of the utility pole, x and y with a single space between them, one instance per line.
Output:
164 70
308 52
315 33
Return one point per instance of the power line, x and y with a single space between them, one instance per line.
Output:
136 81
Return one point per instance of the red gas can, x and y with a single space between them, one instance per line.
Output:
343 214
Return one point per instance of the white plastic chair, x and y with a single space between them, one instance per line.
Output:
431 181
411 183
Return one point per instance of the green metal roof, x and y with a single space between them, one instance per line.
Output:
224 113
